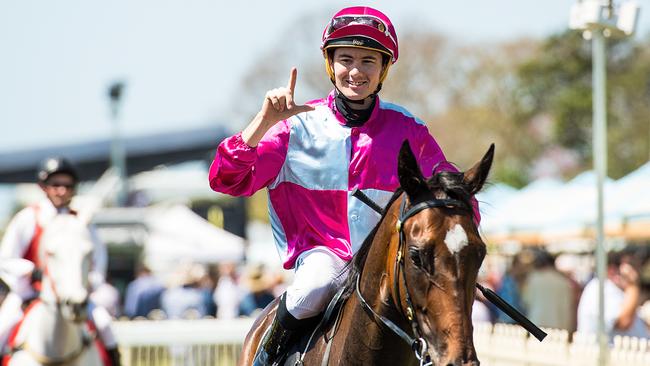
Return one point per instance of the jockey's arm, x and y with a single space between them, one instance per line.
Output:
14 244
18 235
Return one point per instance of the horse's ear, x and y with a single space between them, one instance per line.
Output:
475 177
410 177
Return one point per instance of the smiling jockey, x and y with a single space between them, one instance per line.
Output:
58 179
312 157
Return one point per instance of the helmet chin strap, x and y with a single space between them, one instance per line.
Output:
352 101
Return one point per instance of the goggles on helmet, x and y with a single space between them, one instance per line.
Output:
342 21
346 20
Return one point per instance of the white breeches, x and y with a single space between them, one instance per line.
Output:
318 275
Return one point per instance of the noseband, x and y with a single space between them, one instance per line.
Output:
418 344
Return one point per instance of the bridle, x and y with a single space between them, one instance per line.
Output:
417 343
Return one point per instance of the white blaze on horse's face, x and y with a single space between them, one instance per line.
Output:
456 239
68 247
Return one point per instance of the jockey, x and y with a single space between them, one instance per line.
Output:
58 179
312 157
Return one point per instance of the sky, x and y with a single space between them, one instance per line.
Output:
182 61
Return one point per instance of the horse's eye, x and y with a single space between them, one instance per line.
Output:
414 254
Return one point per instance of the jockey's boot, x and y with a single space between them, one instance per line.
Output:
285 330
275 342
114 356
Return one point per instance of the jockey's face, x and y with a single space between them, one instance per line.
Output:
59 189
356 71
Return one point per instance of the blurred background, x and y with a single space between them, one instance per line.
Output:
165 81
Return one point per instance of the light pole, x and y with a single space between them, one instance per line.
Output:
600 19
118 150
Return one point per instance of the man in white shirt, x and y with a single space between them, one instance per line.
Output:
621 293
58 179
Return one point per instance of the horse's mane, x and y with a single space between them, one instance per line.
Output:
449 184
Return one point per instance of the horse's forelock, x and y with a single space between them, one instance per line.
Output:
450 184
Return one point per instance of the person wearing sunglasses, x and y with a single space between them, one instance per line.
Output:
58 179
311 157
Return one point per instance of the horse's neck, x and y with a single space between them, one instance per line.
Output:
51 334
366 339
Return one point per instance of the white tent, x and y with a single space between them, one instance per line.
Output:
170 234
176 234
548 210
521 211
629 203
573 207
632 197
492 201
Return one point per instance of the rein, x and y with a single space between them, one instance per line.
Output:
417 344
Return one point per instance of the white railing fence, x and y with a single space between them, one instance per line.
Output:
181 342
510 345
218 343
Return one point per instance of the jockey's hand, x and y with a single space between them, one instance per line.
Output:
37 275
278 105
629 275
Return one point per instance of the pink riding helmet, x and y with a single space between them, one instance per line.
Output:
362 27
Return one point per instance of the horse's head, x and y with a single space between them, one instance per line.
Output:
442 252
66 251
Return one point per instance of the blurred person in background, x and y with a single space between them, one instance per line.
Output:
512 283
567 264
312 157
108 297
621 295
143 293
207 285
58 179
548 294
278 283
227 293
184 299
259 294
480 311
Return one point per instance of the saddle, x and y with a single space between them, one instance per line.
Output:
329 319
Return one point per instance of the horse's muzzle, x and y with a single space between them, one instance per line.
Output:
75 311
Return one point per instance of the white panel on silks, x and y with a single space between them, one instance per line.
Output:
318 155
361 218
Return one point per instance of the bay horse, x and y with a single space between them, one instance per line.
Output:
410 289
54 330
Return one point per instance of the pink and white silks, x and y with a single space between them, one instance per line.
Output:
311 163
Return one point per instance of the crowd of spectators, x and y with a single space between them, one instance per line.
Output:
193 291
552 296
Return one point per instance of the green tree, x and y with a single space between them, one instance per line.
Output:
557 82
